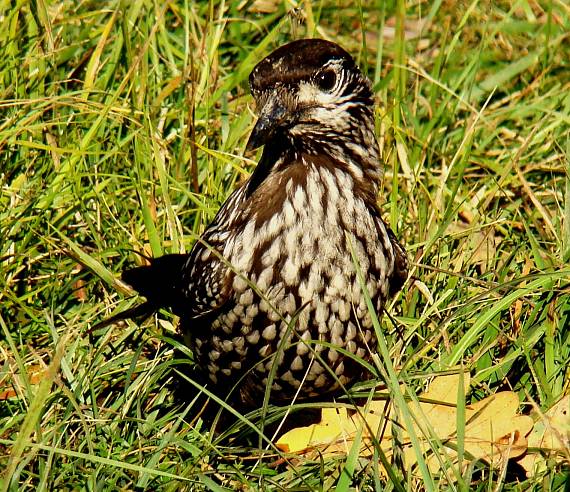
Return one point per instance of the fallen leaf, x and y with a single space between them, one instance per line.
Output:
264 6
494 431
11 383
550 436
334 425
413 29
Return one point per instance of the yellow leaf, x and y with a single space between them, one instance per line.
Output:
494 431
334 425
550 435
444 388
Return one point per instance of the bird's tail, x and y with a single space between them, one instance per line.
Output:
158 282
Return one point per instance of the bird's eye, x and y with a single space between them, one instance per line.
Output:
326 80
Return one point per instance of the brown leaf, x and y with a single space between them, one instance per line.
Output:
13 385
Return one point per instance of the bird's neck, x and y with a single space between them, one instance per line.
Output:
355 153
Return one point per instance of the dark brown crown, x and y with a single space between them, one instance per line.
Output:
296 61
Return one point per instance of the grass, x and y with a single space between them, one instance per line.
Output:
123 127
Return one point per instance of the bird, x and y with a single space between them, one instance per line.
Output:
272 297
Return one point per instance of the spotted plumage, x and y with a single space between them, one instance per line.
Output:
270 292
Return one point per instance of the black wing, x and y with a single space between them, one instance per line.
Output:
207 277
197 283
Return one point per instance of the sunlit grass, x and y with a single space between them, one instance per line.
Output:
111 114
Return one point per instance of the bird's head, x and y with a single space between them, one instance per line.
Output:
309 88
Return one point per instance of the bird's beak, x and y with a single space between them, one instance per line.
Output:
272 116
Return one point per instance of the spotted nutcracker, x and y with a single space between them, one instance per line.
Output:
274 281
